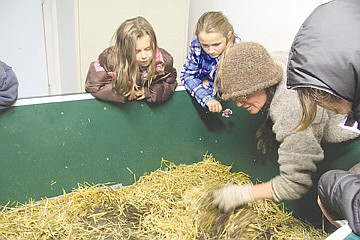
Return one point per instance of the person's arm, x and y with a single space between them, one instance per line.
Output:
299 152
163 87
262 191
293 182
298 155
339 197
8 86
99 80
189 76
326 214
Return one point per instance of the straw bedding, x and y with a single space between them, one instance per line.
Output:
170 203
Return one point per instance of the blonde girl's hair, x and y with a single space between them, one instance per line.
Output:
216 22
125 65
310 98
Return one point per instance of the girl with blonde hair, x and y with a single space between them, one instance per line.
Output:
135 68
201 73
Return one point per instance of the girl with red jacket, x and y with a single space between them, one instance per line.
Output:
135 68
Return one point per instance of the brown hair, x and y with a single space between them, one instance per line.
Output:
310 98
125 64
217 22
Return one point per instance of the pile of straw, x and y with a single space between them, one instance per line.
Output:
170 203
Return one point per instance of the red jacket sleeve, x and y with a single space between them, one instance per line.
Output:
99 81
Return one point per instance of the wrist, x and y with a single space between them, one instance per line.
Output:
262 191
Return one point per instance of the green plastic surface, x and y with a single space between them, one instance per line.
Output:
54 146
51 147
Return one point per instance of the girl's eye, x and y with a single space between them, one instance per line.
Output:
148 49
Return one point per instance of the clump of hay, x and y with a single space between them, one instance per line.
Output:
170 203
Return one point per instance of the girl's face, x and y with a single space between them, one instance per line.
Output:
144 52
253 102
212 43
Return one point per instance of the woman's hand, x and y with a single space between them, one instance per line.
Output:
232 196
214 106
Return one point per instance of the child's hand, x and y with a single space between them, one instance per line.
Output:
140 94
205 82
214 105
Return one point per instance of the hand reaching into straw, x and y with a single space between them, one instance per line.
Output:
232 196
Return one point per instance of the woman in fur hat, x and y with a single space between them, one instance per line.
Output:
256 81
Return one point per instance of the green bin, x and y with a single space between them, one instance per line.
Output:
52 144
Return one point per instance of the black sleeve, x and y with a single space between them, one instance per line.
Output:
339 192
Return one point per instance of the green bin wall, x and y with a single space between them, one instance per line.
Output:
55 145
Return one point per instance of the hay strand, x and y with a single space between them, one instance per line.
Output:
170 203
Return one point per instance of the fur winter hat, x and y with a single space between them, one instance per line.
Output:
246 69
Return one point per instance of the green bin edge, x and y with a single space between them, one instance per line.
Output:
52 147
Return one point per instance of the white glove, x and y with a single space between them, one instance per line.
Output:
231 196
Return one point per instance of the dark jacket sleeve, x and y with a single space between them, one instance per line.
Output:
339 192
164 85
99 82
8 86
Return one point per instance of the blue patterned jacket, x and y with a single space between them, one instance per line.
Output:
198 66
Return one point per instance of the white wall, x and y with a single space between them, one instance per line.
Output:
273 23
22 44
96 28
66 12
